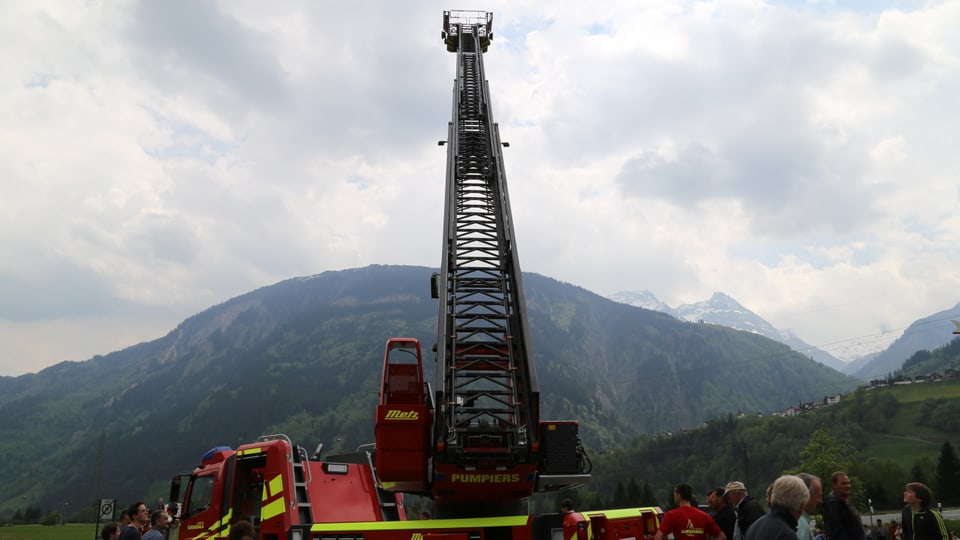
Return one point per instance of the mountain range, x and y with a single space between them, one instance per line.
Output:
725 311
927 333
303 357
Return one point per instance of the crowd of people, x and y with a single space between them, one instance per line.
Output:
138 522
733 515
791 502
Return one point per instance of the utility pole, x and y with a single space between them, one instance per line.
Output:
746 465
99 473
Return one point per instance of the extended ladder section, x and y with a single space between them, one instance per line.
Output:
479 448
487 390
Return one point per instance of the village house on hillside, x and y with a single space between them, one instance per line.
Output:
948 374
794 410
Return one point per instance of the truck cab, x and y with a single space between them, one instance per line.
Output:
275 486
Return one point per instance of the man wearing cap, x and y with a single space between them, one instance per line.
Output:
747 508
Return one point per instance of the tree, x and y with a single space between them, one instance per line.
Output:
633 493
924 470
52 518
859 407
647 498
823 456
888 404
882 481
927 409
948 475
32 515
619 495
946 417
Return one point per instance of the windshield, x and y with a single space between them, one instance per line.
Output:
199 494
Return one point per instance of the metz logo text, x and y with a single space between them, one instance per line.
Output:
395 414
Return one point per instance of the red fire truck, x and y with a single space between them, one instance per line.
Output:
476 445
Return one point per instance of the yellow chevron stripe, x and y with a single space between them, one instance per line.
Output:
218 528
274 488
273 509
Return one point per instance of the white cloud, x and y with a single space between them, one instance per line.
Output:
163 157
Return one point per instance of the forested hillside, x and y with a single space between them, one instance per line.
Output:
883 437
938 360
302 357
927 333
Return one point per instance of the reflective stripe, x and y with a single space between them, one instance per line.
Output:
273 509
507 521
272 490
622 512
217 529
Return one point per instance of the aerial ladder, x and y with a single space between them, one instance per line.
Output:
477 444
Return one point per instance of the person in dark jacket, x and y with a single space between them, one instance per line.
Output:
787 501
139 517
723 514
110 531
747 508
840 516
919 521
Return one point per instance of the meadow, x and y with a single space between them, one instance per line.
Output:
906 438
88 531
70 531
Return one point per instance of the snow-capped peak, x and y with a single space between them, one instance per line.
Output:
723 310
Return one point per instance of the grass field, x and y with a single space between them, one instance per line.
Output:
907 393
907 424
87 531
71 531
902 450
906 439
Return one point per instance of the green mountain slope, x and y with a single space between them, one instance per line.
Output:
303 357
884 433
927 333
938 360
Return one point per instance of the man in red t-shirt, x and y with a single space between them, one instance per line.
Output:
686 522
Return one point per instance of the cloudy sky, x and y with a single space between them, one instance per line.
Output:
161 157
